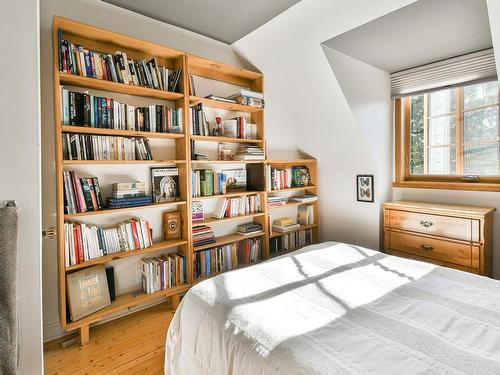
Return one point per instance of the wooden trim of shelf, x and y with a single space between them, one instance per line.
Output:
123 162
201 138
236 107
227 161
290 204
302 227
310 187
121 88
161 245
124 301
228 195
198 61
114 132
124 209
211 220
291 161
230 238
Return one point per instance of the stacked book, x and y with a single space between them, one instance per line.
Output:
75 59
306 198
81 109
249 228
103 147
240 128
197 212
83 242
231 207
276 201
290 241
202 235
249 152
81 194
128 194
285 224
248 97
305 214
213 261
162 272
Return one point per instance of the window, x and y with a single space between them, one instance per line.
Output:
450 135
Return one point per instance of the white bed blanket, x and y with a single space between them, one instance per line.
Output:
335 308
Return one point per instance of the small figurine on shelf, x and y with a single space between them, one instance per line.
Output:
218 131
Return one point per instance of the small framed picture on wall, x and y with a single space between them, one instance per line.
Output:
364 184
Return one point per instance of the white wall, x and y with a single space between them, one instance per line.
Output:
20 163
98 13
306 108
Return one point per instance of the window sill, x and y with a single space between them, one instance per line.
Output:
468 186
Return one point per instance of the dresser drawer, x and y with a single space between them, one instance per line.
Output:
432 248
437 225
433 261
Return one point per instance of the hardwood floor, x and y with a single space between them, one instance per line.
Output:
134 344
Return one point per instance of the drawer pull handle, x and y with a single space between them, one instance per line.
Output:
426 223
426 247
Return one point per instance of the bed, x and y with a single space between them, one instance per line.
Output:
335 308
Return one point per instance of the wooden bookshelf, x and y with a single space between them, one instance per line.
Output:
109 42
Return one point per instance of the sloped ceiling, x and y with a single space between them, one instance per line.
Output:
223 20
420 33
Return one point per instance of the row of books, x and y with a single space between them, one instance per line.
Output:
285 178
231 207
202 235
81 109
162 272
206 182
83 242
290 241
78 60
81 194
104 147
212 261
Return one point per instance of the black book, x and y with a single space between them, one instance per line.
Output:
86 110
86 194
159 118
147 125
61 54
73 116
110 276
72 145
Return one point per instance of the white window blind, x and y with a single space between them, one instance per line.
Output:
469 68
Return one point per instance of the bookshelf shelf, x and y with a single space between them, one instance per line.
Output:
228 195
125 209
193 100
121 88
69 162
125 301
161 245
202 138
211 220
230 238
289 204
113 132
227 161
302 227
311 187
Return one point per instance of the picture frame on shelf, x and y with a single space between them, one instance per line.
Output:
165 184
365 188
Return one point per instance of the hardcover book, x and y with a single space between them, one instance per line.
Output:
165 184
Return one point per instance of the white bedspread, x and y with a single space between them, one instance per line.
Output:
338 309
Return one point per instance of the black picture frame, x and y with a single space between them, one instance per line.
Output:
365 188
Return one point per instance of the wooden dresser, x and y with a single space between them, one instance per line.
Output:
448 235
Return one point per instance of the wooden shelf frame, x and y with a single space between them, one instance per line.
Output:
106 41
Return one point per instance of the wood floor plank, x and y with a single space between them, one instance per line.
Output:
134 344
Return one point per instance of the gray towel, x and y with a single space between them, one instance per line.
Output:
8 291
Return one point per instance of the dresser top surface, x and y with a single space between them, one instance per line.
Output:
438 208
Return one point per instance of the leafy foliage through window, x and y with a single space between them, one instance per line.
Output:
454 131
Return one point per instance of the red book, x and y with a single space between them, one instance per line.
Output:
137 244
